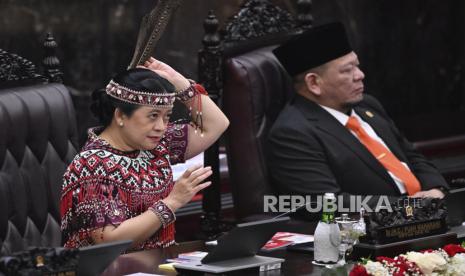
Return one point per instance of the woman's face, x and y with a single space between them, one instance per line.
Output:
145 127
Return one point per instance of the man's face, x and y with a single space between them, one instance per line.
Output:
341 83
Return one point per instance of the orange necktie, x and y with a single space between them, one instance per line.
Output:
385 157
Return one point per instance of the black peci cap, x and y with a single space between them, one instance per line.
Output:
312 48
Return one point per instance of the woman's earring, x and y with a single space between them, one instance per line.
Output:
121 124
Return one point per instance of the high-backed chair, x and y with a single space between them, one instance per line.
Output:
38 139
255 91
240 72
239 69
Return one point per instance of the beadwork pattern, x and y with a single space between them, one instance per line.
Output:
104 186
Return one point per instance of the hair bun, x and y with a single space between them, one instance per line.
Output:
99 102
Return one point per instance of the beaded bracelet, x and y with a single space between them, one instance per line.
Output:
163 213
187 95
190 92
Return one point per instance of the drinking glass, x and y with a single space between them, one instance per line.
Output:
349 236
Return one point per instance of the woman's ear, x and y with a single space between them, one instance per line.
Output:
119 116
313 81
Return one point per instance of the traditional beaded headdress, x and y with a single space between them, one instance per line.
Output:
122 93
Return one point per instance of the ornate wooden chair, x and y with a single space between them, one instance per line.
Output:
38 139
242 75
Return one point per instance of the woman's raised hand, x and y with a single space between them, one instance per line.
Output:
164 70
190 183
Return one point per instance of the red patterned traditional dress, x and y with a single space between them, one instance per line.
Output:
105 186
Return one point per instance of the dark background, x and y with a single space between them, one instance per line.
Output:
411 51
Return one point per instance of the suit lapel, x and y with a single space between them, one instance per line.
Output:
327 123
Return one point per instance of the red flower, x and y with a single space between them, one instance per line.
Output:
358 270
453 249
400 272
407 266
383 259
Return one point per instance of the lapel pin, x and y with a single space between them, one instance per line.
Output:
369 114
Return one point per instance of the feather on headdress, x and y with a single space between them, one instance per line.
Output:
151 28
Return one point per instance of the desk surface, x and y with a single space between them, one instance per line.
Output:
148 261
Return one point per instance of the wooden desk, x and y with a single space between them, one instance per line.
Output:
148 261
295 264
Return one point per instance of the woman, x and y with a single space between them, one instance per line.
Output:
120 186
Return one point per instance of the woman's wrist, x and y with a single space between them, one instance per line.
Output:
194 91
182 85
189 93
172 204
164 213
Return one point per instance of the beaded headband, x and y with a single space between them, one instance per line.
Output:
164 100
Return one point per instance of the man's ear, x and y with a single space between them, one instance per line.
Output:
313 81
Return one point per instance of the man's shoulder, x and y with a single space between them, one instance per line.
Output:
291 122
290 116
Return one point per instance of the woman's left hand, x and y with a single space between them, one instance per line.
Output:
165 71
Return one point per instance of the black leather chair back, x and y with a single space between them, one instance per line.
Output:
38 139
256 89
240 72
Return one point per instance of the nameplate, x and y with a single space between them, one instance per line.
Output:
411 230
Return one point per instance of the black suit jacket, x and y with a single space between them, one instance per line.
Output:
310 152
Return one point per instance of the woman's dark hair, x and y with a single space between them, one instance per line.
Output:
103 106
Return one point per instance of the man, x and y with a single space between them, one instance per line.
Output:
333 138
